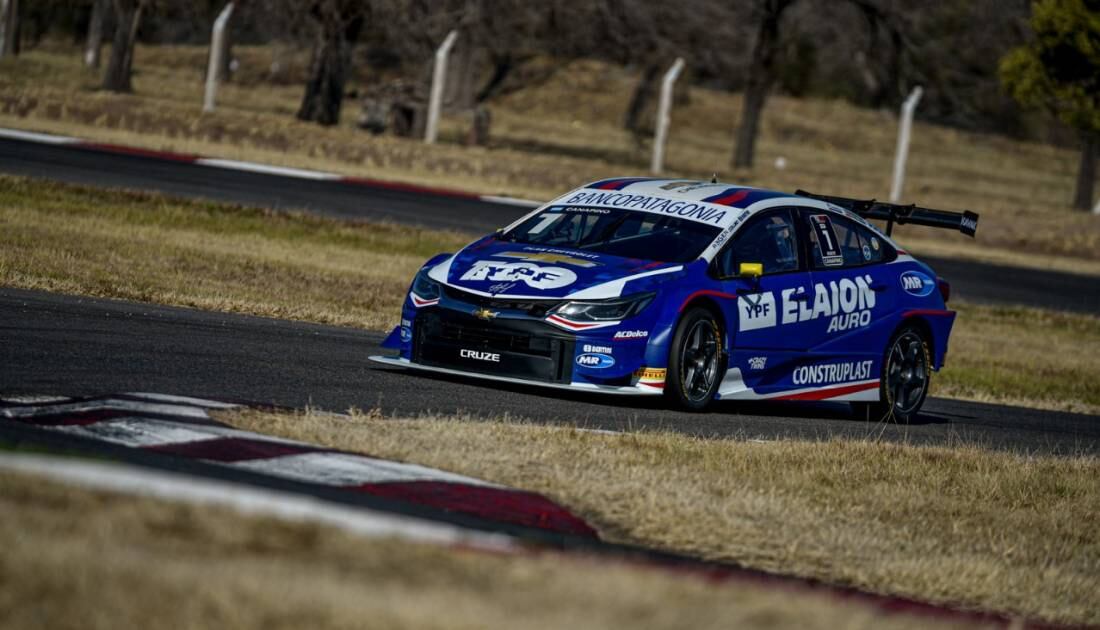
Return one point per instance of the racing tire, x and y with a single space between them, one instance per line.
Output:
696 361
906 376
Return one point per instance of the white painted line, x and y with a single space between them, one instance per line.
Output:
252 167
268 169
337 469
599 431
30 136
33 400
265 502
106 404
183 400
138 432
511 201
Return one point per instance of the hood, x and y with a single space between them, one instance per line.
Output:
518 270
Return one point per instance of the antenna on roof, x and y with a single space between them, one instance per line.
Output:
714 178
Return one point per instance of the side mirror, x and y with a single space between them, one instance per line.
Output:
752 271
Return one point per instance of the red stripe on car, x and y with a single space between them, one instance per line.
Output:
929 312
728 296
831 392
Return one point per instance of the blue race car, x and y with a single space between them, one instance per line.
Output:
694 290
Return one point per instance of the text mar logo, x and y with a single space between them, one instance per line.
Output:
535 276
917 283
595 360
757 311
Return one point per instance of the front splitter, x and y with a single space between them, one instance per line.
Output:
584 387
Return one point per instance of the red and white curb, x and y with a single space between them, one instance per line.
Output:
182 427
257 167
248 500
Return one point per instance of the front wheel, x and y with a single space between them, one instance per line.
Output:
695 361
906 375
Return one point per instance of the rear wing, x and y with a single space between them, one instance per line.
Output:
965 222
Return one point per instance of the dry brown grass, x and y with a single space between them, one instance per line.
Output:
965 525
553 136
1023 356
76 558
151 248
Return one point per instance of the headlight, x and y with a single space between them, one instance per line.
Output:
605 310
424 287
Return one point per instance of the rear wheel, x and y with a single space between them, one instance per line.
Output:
906 375
696 360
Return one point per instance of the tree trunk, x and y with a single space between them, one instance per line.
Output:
94 42
502 67
324 93
9 28
120 66
760 78
1086 174
643 92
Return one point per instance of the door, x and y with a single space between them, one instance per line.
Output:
767 338
765 305
851 287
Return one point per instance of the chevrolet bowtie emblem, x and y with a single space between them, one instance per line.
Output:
484 313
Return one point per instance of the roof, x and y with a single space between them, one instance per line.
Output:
703 201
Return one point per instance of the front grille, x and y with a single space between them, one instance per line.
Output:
521 348
534 308
487 338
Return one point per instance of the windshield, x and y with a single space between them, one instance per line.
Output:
624 233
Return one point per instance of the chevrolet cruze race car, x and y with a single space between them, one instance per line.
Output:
695 290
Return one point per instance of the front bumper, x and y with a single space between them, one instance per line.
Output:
513 341
630 390
517 348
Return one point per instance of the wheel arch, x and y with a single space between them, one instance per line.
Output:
926 331
710 304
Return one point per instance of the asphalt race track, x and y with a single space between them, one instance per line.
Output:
970 281
71 346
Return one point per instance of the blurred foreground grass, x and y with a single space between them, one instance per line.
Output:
78 558
553 136
151 248
957 525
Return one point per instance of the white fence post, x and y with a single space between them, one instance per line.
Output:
1096 208
217 50
663 116
439 77
902 153
93 43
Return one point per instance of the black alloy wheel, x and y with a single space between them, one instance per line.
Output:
906 375
696 361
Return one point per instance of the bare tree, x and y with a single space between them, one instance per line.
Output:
338 24
120 66
761 75
9 28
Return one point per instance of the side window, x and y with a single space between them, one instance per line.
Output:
768 239
837 242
